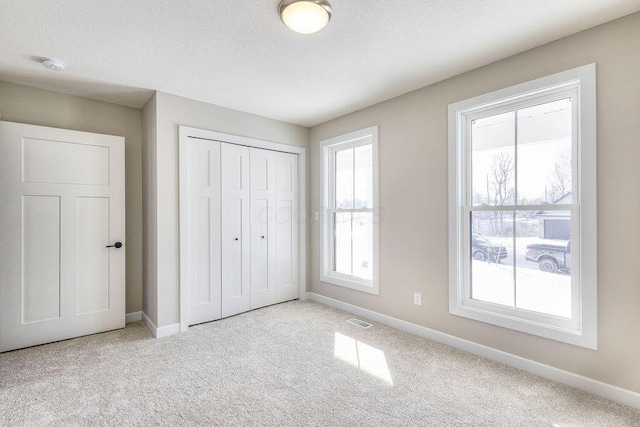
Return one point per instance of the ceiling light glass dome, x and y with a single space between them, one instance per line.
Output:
305 16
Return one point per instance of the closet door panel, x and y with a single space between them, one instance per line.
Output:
263 183
203 199
260 253
202 256
286 227
232 253
236 242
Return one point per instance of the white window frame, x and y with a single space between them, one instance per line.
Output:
581 329
328 149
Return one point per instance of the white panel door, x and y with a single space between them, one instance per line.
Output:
286 227
263 235
203 257
236 242
62 205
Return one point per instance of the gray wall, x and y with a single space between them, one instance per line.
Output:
149 210
173 111
413 198
24 104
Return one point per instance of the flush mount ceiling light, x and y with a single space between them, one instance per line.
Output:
305 16
53 64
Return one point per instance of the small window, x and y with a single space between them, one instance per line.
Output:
350 194
523 207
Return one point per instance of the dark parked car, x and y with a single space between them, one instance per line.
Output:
483 250
551 256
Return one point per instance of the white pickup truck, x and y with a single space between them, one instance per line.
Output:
551 255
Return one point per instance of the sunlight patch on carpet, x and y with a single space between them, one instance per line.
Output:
362 356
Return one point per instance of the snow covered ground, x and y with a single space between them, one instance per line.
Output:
535 290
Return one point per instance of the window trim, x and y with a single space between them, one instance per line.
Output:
583 331
328 146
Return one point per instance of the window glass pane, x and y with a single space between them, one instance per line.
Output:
362 232
544 153
543 262
491 255
344 179
363 175
493 160
342 242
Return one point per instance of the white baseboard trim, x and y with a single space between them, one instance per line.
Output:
163 331
149 324
608 391
133 317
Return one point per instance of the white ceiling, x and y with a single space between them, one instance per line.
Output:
238 54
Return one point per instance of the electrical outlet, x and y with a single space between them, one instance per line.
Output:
417 298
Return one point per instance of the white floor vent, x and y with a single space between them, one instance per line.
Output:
360 323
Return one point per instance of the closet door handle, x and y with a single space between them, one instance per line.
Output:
262 237
235 238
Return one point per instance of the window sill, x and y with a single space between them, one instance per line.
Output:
358 285
557 333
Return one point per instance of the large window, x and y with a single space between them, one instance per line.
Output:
350 193
523 207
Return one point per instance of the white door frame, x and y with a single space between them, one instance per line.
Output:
185 133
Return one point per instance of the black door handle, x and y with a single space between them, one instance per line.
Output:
117 245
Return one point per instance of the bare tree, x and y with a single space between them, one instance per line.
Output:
559 184
499 189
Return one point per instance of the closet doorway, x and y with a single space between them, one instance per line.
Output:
242 224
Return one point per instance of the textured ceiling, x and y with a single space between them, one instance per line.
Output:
238 54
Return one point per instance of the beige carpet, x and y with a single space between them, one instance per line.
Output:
297 363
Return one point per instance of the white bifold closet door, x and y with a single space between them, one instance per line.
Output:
274 229
242 238
263 227
286 227
204 252
236 240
